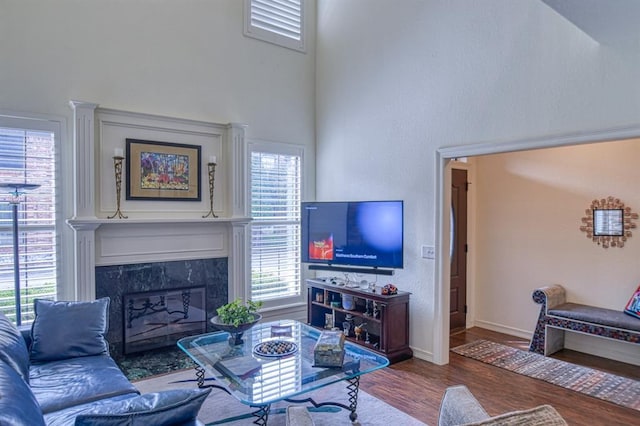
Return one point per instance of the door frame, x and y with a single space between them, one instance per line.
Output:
444 157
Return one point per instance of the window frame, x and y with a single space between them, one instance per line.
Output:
277 149
62 201
272 37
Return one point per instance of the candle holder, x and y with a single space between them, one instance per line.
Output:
212 177
117 166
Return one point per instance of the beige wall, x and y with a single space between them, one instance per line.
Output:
529 209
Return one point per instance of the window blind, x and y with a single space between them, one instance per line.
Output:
276 21
28 156
282 17
275 230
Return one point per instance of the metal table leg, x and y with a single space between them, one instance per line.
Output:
353 385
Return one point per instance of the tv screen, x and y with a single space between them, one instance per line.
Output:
358 233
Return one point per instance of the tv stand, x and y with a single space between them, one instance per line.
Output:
386 318
332 268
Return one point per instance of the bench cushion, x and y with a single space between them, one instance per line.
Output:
595 315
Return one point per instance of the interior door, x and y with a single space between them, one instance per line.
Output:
458 307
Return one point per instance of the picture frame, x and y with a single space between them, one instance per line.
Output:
162 171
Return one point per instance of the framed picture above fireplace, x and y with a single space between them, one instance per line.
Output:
162 171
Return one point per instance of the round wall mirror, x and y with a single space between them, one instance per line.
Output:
608 222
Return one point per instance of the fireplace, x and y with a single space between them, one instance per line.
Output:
153 319
152 287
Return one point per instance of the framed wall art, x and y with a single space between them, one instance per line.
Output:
162 171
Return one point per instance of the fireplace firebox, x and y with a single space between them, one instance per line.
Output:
154 319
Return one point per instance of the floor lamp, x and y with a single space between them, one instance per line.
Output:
14 199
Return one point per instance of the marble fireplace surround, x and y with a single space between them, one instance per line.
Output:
172 234
116 281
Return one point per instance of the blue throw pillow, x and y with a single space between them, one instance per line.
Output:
13 348
159 409
64 330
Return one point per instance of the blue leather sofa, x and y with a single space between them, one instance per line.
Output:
60 373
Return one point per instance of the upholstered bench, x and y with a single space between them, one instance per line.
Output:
557 316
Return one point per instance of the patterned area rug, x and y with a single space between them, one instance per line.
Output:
598 384
219 405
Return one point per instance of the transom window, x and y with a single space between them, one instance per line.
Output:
279 22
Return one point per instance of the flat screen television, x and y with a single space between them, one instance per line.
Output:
355 233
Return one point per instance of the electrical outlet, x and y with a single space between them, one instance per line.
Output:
428 252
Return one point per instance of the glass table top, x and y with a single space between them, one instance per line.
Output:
261 380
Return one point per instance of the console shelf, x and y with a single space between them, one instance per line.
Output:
386 318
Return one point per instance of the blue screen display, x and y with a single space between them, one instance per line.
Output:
359 233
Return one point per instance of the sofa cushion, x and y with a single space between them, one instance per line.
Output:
69 329
18 406
162 408
64 383
13 348
67 416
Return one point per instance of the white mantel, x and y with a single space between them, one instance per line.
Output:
156 230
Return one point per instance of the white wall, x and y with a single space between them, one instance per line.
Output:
395 83
186 59
529 210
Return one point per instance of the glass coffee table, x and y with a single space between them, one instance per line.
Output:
258 378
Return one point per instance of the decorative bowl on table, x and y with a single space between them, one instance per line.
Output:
236 331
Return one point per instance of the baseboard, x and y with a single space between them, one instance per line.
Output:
500 328
628 353
422 354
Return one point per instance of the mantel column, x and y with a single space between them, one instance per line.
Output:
239 205
239 261
84 161
85 260
236 152
84 198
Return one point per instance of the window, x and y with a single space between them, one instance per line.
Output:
276 21
275 229
28 156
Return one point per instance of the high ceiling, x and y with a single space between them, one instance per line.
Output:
610 22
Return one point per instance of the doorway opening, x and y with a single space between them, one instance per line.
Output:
444 165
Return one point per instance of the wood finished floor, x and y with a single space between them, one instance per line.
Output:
416 387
